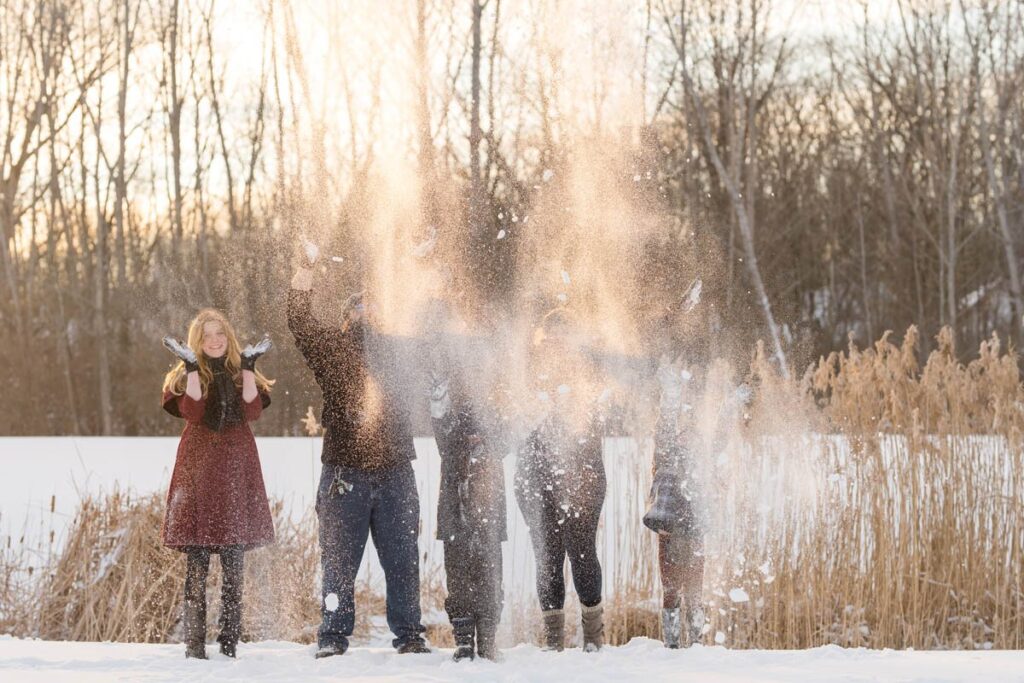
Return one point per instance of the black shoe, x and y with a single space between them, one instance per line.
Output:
463 629
228 649
331 650
194 628
413 646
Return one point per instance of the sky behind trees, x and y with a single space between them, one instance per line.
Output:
826 176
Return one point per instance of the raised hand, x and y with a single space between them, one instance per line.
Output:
692 296
440 400
671 378
253 351
182 351
311 251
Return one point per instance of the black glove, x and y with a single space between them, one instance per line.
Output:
251 352
182 351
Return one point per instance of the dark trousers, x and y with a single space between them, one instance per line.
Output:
556 533
352 504
232 569
473 578
681 562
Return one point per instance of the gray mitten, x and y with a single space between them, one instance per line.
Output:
252 352
182 351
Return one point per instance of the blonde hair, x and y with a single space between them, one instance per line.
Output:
174 381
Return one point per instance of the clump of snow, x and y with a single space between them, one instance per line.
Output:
739 595
331 602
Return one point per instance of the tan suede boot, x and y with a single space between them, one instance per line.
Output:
554 630
593 627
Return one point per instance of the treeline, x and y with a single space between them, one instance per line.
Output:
161 155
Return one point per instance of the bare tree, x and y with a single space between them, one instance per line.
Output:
745 75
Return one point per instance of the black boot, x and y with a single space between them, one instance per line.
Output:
331 649
231 601
412 646
194 626
486 633
463 629
194 612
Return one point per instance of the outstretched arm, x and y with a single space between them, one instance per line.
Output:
311 335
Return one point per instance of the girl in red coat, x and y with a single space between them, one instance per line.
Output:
217 503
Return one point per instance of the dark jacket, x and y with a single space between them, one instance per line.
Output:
216 497
562 468
471 500
360 433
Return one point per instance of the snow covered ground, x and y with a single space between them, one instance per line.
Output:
641 660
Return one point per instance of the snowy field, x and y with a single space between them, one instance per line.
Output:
641 660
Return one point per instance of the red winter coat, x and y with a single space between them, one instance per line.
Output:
217 496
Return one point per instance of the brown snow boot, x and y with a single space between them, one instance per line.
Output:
554 630
593 627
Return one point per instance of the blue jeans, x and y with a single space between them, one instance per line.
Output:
352 503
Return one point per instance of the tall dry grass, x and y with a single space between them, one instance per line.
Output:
899 525
114 580
878 501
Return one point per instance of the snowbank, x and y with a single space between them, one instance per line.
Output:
642 659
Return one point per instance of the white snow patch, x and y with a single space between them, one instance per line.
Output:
641 659
331 602
739 595
501 234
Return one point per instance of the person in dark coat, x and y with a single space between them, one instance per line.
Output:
216 503
367 486
560 480
471 515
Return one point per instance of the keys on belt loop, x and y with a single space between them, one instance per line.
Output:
339 485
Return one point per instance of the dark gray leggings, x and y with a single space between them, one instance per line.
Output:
232 567
555 534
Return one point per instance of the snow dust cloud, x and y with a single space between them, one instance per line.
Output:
633 282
